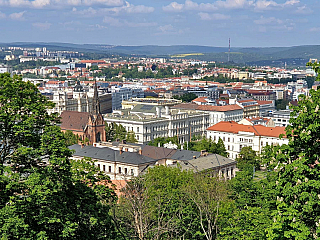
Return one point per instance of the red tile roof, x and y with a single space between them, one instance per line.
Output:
258 130
200 99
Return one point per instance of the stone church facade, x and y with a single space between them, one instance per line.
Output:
88 126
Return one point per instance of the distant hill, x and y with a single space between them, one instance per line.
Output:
295 55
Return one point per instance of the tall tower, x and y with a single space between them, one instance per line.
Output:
95 101
229 52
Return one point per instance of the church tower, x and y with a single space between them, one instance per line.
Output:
96 124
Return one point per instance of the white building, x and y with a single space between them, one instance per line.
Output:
149 122
5 69
217 114
236 136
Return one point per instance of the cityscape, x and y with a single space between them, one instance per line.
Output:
175 120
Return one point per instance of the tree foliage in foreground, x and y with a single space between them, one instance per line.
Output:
168 203
207 144
42 194
116 132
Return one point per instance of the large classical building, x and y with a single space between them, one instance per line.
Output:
151 121
89 126
236 136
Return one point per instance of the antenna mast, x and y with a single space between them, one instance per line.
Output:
229 52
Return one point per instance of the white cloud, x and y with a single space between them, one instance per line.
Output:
17 16
215 16
234 3
115 22
57 3
265 5
257 5
103 2
189 6
314 29
266 21
303 10
2 15
262 5
130 8
166 28
173 7
42 26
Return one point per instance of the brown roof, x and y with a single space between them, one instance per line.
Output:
72 120
258 130
158 152
225 108
264 102
189 106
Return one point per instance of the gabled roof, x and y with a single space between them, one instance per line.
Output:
258 130
158 152
185 155
212 161
109 154
72 120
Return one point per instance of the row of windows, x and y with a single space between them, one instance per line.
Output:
120 169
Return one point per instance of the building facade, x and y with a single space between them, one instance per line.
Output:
236 136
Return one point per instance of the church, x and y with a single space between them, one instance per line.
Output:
89 126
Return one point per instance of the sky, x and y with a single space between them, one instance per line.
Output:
248 23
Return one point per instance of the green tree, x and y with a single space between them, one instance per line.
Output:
116 132
248 156
160 141
42 195
154 206
298 183
187 97
70 138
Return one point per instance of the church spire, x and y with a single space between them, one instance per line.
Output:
95 100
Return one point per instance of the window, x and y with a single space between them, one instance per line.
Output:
109 168
224 138
119 169
228 147
228 139
104 168
261 143
99 166
132 172
126 171
137 129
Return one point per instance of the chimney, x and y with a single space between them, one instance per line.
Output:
126 149
140 151
82 145
194 157
95 145
203 153
120 150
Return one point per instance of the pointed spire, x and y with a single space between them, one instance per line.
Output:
95 100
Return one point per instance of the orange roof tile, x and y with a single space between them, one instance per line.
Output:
258 130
